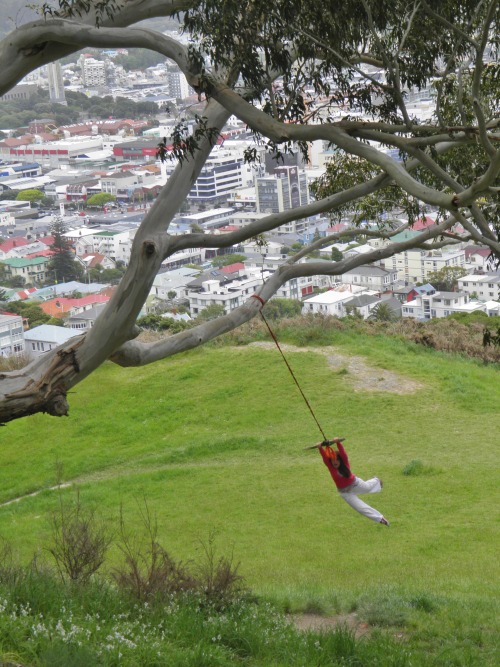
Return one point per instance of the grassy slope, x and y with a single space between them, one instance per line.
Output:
213 440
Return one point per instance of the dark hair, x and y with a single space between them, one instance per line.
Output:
343 469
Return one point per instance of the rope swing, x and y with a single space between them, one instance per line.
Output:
255 296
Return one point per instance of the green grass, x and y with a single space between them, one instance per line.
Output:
214 439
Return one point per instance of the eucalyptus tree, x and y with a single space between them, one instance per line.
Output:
295 73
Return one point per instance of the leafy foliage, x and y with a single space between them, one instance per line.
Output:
32 195
446 278
78 8
184 142
226 260
276 309
62 266
31 311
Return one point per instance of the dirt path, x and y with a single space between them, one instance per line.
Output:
307 622
361 376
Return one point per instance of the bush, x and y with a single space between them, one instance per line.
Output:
414 468
80 541
149 572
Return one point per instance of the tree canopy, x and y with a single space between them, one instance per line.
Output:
295 73
62 266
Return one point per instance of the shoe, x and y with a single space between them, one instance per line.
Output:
381 483
384 522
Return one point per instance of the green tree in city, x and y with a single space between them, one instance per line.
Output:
278 308
31 311
62 266
226 260
446 279
211 312
32 195
336 255
383 313
100 199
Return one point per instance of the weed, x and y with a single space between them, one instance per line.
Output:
218 576
414 468
149 572
80 541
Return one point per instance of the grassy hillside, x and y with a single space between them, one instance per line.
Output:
213 440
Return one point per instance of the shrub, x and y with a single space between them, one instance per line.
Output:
217 576
149 572
414 468
80 541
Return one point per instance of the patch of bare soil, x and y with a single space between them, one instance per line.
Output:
361 376
325 623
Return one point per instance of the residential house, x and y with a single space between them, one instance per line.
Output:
440 304
11 244
62 306
108 243
11 334
484 287
479 259
415 265
362 303
331 302
45 337
358 250
296 288
34 248
176 281
371 277
125 184
31 270
229 291
417 290
95 260
83 321
68 289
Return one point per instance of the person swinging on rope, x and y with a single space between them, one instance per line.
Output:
348 485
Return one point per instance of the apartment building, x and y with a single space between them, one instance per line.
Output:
483 287
11 335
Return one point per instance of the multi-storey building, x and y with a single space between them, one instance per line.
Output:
415 265
33 271
287 188
484 287
56 84
93 72
11 335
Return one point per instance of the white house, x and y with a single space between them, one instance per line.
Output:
371 277
110 243
440 304
45 337
12 340
173 281
81 321
296 288
226 293
478 259
485 287
331 302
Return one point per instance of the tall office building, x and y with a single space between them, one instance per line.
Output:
56 84
287 188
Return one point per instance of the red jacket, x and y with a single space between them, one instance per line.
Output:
340 481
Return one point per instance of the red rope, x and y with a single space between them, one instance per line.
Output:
255 296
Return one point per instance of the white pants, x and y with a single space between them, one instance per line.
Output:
359 486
